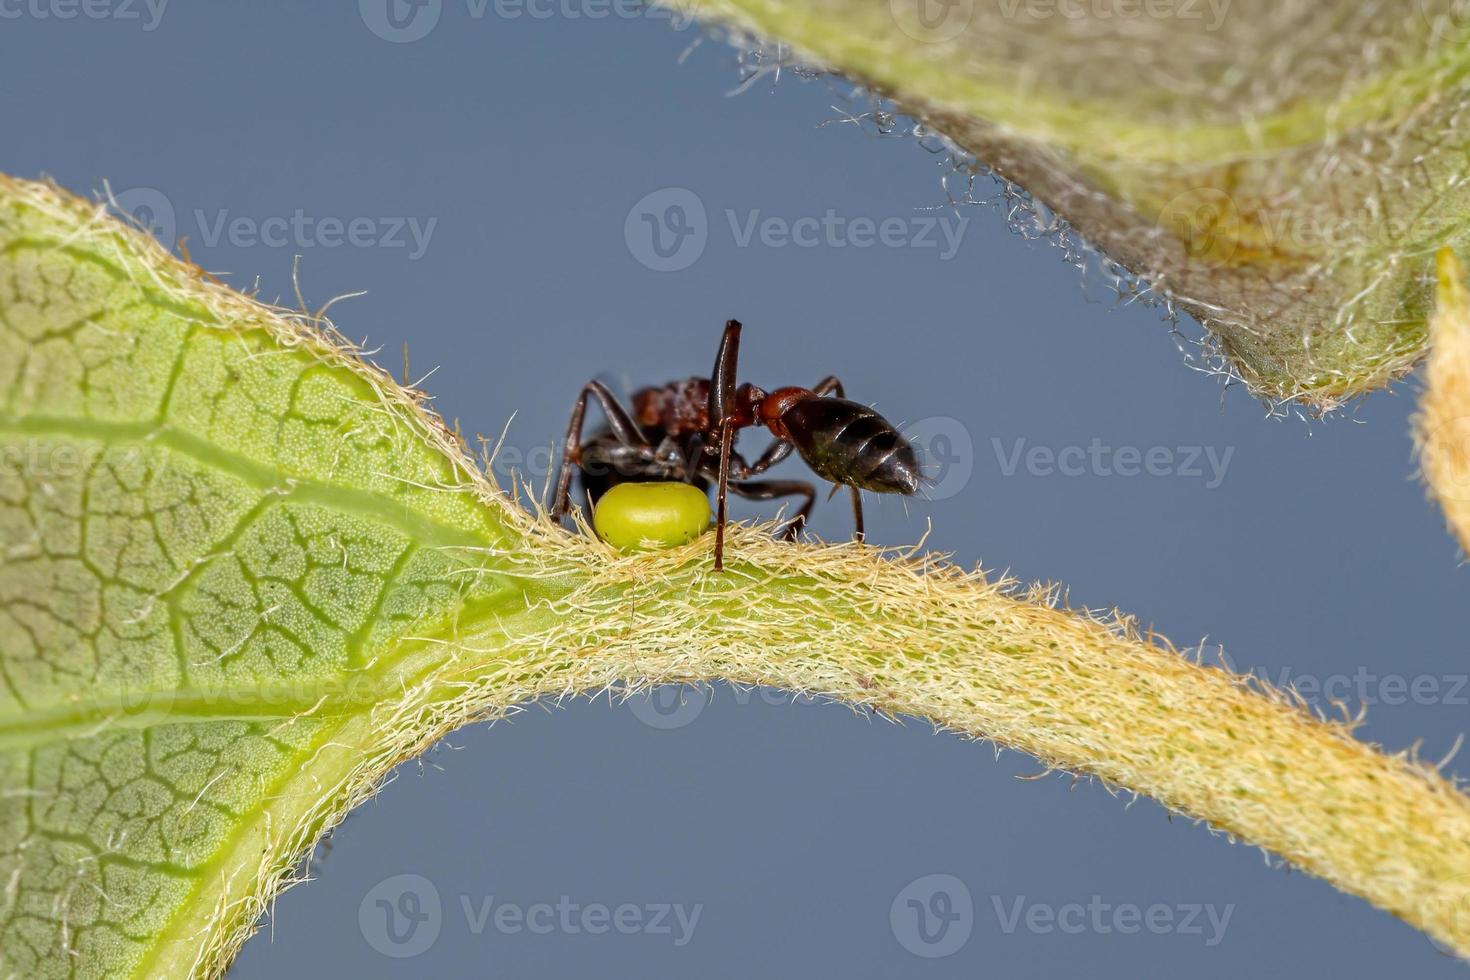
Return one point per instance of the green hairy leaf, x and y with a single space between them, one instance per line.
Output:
1283 170
208 533
243 574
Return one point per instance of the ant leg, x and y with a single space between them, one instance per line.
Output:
722 383
778 450
721 411
619 422
694 463
830 385
771 489
727 435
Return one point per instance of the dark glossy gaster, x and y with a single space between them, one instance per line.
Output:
686 431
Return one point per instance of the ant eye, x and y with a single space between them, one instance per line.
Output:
633 516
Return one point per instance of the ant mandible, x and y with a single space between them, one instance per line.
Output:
685 431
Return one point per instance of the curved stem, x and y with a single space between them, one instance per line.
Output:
1079 692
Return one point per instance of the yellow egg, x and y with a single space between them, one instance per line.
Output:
651 515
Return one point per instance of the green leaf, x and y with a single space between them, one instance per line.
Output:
243 574
1284 171
221 545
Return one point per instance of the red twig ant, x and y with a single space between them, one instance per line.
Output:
686 430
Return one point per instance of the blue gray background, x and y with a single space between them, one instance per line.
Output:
795 828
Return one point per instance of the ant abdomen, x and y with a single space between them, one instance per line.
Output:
847 442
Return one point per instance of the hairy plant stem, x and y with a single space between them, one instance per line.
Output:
915 637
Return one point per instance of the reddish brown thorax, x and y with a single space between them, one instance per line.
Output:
777 404
748 399
682 407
